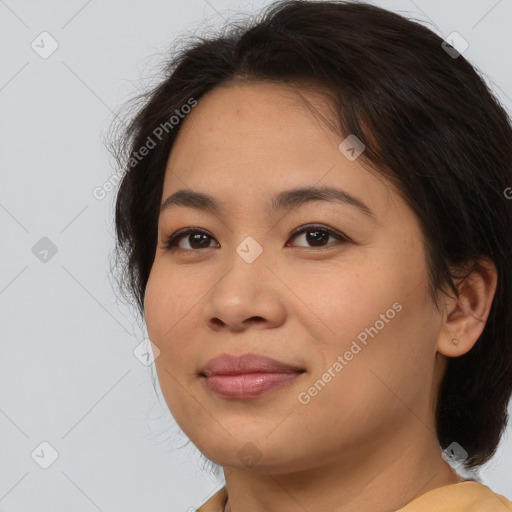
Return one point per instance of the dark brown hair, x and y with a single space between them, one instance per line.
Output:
430 125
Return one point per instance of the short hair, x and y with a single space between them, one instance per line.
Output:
429 124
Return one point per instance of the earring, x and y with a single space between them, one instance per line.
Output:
455 341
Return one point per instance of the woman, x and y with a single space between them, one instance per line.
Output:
314 223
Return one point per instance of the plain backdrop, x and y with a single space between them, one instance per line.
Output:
73 395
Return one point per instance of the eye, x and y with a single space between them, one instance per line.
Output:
196 238
316 235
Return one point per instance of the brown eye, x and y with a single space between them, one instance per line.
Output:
196 239
317 236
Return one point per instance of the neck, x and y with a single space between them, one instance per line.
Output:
380 481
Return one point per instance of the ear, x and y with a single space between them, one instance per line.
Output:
464 318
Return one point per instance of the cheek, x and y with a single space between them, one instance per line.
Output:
345 299
173 312
154 307
166 305
371 315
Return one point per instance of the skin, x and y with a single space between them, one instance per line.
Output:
367 440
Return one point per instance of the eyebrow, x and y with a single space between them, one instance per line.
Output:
285 200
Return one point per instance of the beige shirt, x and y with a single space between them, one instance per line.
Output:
466 496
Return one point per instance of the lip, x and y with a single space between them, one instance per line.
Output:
227 364
247 375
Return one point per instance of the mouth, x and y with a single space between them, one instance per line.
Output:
247 375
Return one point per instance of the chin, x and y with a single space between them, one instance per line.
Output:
258 454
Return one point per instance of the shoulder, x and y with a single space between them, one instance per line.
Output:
216 502
469 496
466 496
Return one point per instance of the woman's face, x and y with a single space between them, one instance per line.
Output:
353 314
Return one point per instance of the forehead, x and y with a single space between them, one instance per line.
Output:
257 139
241 117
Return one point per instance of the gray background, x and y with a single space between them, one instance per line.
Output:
68 375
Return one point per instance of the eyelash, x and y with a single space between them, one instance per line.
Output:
171 242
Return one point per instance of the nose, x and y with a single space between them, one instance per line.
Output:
247 296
